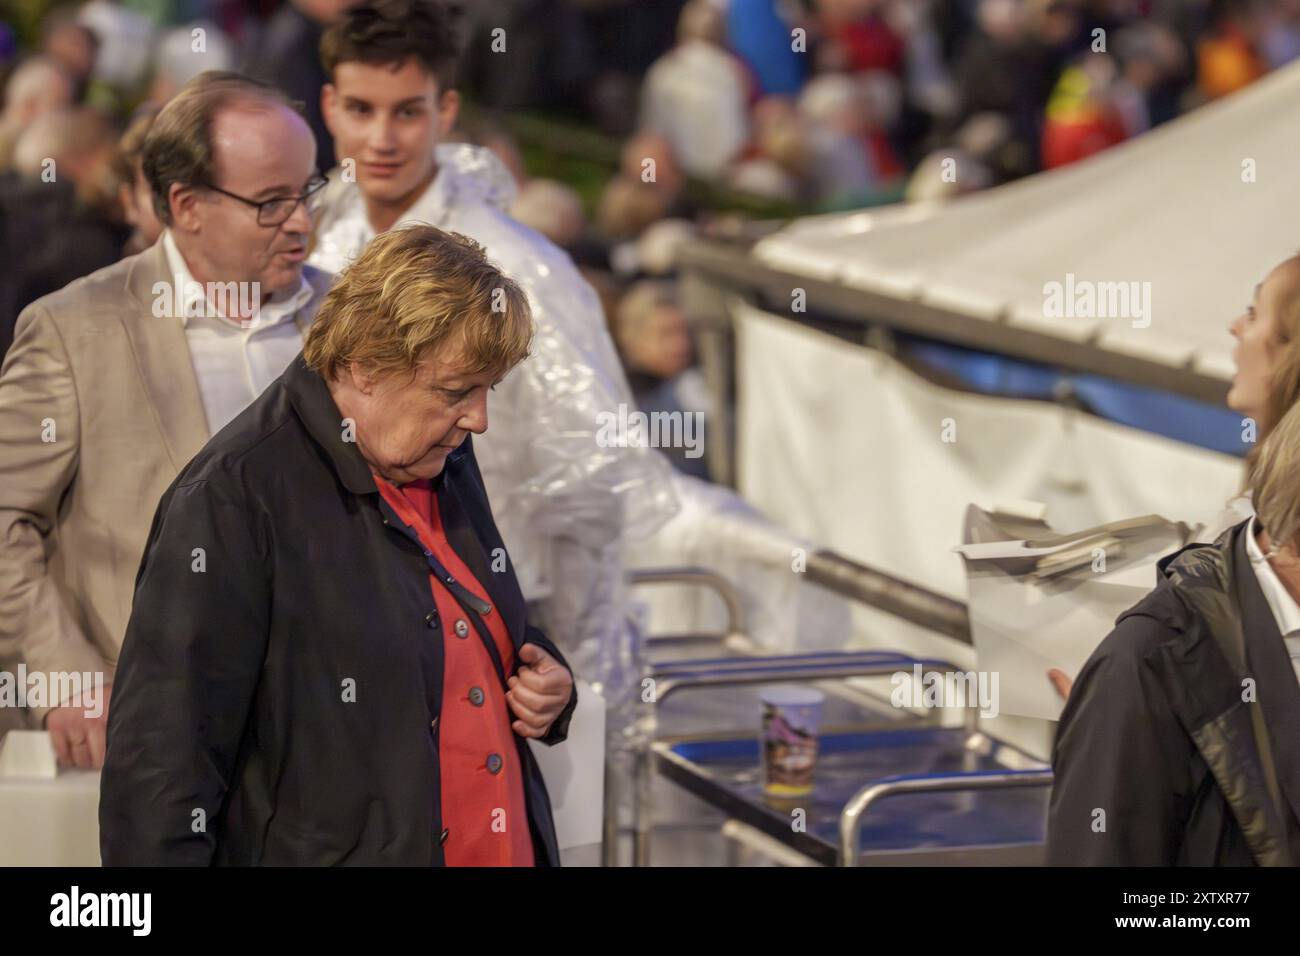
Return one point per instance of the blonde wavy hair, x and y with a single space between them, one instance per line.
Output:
1277 482
412 291
1284 390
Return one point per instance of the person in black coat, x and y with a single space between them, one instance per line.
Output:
327 660
48 238
1177 743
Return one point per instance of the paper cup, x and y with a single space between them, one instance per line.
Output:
791 716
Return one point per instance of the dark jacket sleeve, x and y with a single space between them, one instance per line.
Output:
559 731
1120 760
185 681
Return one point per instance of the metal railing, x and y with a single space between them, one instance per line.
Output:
853 812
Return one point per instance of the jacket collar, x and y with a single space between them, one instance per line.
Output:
162 351
162 356
469 530
1216 584
311 399
1269 664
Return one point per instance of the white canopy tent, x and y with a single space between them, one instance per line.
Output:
1200 208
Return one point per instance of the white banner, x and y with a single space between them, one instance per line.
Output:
847 447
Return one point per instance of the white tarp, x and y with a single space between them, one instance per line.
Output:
846 447
1200 208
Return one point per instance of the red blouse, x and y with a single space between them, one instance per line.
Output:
483 808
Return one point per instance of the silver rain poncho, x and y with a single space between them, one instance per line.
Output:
566 503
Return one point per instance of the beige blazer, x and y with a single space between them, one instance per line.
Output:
99 411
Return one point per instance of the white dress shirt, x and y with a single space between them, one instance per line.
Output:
235 361
1284 607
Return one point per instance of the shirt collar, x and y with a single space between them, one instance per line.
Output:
271 313
284 307
1286 612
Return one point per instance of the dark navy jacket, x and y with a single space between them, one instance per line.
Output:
277 695
1159 732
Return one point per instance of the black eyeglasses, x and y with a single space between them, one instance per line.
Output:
275 212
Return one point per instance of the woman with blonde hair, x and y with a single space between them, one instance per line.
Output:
328 657
1265 387
1176 747
1267 355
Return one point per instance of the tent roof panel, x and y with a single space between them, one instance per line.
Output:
1175 208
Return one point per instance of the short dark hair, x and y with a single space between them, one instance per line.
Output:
383 32
178 146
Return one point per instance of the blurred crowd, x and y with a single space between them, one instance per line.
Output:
888 88
822 104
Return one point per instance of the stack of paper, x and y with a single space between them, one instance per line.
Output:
1039 599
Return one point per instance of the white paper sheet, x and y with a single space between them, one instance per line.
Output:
1023 626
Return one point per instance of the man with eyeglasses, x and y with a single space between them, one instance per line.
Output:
114 382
